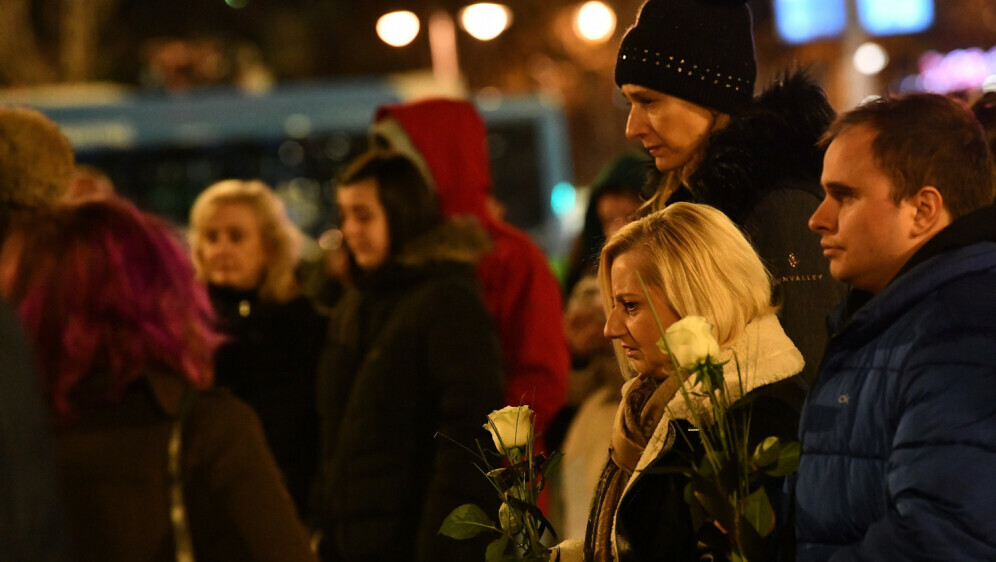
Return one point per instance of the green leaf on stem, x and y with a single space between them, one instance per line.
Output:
709 466
759 513
701 377
788 460
465 522
705 468
496 550
714 499
767 452
553 464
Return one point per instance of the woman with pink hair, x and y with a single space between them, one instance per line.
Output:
155 465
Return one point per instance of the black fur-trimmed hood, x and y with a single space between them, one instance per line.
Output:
768 145
457 239
456 243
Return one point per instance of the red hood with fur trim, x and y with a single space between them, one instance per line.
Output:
452 138
519 289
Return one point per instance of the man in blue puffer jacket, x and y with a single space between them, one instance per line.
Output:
899 430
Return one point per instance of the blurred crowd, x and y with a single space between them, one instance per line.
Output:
208 394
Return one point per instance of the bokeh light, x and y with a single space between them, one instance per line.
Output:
297 125
562 198
595 22
398 29
485 20
291 153
870 58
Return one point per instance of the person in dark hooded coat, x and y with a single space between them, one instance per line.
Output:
411 353
688 69
447 140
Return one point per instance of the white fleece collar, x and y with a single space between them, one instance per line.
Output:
765 354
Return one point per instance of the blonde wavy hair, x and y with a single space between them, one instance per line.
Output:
702 264
281 239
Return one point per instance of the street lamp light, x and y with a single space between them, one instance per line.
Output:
398 29
485 20
595 22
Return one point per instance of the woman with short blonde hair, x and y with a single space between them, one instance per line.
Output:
687 259
246 250
703 263
281 239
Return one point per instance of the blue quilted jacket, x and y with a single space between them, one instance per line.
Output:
899 431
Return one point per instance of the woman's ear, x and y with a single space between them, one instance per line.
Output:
931 214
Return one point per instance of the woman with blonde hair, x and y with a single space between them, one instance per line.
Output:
687 259
246 250
269 267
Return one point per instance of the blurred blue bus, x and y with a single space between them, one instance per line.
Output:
161 150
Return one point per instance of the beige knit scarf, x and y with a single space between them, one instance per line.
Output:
639 413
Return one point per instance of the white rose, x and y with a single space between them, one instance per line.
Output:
511 425
690 340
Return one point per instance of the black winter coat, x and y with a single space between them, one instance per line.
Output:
653 522
411 356
763 171
270 362
32 524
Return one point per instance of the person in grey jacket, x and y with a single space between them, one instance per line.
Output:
899 432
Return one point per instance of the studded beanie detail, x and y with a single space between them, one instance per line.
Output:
701 51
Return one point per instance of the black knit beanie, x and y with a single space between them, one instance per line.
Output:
701 51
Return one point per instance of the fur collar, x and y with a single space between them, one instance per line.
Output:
458 239
768 145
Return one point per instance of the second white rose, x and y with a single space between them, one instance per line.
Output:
691 341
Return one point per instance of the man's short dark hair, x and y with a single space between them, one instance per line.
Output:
927 139
984 109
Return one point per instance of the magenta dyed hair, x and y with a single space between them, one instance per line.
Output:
105 290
